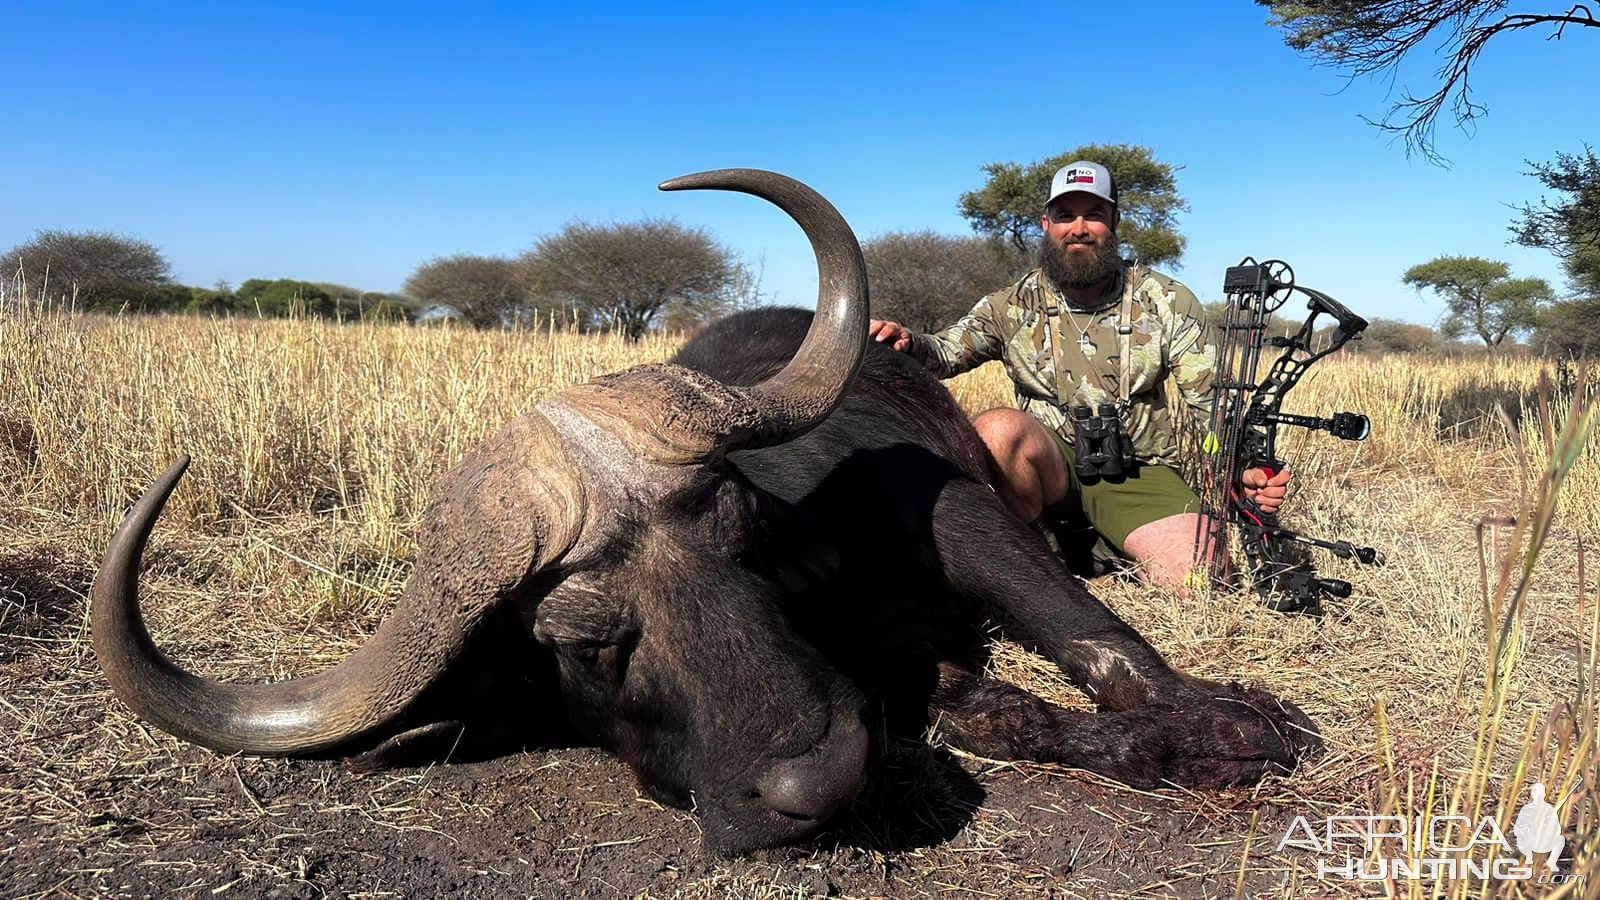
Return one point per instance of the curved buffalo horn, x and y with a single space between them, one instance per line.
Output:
796 399
534 521
303 715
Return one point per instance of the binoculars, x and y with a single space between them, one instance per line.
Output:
1102 447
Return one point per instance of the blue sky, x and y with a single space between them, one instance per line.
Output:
351 144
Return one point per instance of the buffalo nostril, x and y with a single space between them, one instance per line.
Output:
811 788
789 789
799 789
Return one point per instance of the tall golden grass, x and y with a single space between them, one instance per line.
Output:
1456 675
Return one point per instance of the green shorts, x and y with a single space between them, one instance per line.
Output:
1116 508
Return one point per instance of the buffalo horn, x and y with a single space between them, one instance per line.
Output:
369 690
800 396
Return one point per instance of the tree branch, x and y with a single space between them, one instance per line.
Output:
1369 38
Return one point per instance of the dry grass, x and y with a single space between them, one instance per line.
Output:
1441 685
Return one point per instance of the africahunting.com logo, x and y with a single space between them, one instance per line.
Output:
1429 847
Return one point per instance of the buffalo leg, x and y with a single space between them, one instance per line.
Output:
1230 739
1212 733
987 554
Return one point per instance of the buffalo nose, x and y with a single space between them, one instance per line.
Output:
812 787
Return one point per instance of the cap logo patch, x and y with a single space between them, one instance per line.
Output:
1080 176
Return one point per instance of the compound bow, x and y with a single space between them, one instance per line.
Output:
1244 433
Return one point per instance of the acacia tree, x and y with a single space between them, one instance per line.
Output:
1481 296
1569 227
98 268
926 281
488 291
1012 199
1371 37
1571 327
625 276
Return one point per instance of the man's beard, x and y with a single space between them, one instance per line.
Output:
1080 270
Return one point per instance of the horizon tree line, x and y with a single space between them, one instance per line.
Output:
632 277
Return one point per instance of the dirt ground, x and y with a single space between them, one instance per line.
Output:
95 803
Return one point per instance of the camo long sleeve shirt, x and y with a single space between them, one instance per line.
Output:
1059 357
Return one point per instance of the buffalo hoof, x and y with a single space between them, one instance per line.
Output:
1224 735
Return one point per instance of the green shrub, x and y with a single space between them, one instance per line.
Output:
285 298
207 302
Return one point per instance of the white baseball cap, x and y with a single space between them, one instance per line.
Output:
1089 177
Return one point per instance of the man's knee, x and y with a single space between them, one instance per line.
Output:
1165 548
1005 432
1166 536
1027 461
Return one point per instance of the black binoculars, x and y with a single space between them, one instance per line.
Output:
1102 448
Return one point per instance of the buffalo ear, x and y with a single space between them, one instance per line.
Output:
581 611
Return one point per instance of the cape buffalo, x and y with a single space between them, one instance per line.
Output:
735 571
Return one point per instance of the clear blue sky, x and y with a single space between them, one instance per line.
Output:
350 145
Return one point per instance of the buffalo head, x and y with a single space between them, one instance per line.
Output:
608 526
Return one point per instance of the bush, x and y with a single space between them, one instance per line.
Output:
1394 336
206 302
285 298
385 308
1570 328
488 291
151 298
633 276
102 271
926 281
1381 336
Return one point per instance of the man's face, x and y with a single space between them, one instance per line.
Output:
1079 249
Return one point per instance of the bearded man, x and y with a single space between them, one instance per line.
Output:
1090 341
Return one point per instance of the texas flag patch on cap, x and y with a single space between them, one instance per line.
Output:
1083 175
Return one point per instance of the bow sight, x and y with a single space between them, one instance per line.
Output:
1245 417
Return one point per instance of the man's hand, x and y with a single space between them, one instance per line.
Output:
1267 493
897 336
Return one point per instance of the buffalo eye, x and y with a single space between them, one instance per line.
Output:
613 661
606 662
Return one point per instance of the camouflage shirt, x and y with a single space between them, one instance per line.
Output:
1059 357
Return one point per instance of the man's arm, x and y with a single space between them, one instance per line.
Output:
970 342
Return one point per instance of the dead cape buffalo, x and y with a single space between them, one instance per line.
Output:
737 572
